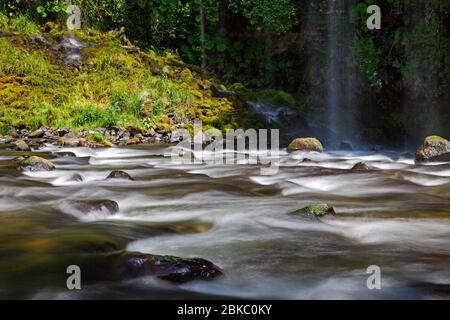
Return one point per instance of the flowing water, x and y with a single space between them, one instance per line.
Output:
395 216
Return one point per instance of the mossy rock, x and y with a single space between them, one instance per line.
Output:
305 144
433 148
316 210
35 164
21 145
124 265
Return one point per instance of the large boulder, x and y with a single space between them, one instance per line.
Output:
434 148
125 265
35 164
305 144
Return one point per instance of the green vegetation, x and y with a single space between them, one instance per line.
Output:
114 87
265 50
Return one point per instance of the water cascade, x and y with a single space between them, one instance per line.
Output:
341 119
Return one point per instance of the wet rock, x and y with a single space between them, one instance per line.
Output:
14 133
63 131
87 206
65 154
76 178
35 164
119 175
6 140
305 144
71 142
37 134
21 145
315 210
434 148
360 167
130 265
221 93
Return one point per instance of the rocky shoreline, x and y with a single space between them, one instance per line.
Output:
23 140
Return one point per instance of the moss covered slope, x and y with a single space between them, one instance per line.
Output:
117 84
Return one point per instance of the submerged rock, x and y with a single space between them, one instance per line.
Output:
76 178
434 148
35 164
88 206
305 144
21 145
119 175
315 210
129 265
360 167
64 154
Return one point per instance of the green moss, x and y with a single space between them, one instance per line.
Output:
114 87
97 137
317 210
271 96
436 139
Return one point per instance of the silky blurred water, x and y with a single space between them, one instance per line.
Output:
395 216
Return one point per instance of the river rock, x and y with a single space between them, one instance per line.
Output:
315 210
6 140
360 167
87 206
37 134
21 145
305 144
125 265
119 175
64 154
71 142
434 148
63 131
76 178
34 163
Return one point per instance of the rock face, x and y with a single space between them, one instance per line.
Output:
305 144
129 265
119 175
35 164
315 210
433 148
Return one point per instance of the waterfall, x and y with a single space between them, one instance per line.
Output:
341 81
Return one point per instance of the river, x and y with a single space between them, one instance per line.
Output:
395 216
